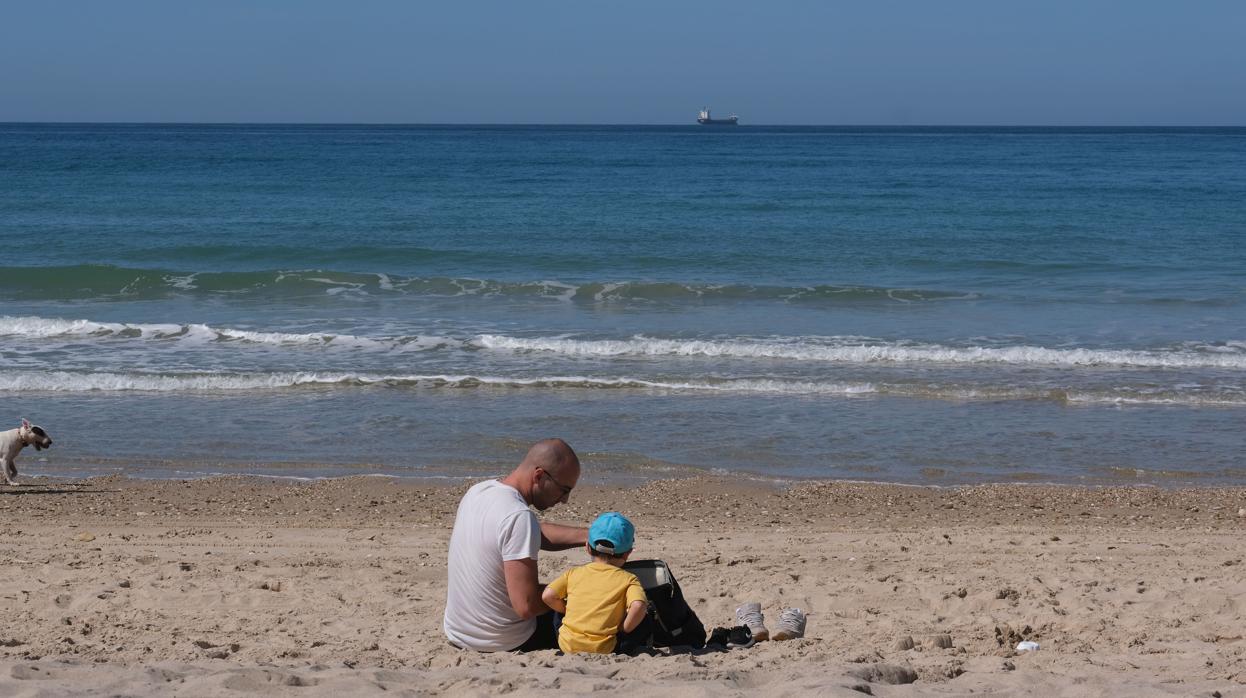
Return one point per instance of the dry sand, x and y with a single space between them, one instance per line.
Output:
238 586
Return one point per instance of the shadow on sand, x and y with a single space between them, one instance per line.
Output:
58 488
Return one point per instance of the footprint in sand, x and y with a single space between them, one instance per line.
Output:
26 672
252 680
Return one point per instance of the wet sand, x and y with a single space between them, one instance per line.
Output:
246 586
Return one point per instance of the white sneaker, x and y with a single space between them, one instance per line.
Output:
791 624
750 614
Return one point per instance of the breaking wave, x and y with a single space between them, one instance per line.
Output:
109 381
854 350
50 328
1230 355
73 381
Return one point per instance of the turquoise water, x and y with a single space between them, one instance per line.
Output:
932 305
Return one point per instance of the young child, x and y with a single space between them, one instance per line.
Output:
599 600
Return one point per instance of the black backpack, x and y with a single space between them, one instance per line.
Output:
670 621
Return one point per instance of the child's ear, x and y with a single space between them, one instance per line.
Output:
627 554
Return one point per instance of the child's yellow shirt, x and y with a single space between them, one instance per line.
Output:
598 596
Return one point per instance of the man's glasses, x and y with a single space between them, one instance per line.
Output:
566 491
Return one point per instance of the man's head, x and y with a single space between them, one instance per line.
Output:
547 473
611 538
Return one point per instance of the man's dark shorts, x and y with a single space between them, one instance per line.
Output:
544 637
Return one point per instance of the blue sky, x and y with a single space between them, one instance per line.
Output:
884 62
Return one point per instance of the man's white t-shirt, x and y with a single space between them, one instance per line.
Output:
493 524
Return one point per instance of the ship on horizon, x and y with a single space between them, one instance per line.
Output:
705 119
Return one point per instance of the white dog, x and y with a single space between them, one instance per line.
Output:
14 440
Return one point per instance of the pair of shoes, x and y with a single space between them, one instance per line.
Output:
731 638
791 622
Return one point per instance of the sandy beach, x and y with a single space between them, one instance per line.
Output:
244 586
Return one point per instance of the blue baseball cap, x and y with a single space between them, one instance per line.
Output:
611 534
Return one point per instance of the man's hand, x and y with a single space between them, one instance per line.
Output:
523 588
558 537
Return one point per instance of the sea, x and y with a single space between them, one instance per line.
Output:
936 306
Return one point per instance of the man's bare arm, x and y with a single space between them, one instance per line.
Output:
523 588
558 537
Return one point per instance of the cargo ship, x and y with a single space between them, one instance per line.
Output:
705 119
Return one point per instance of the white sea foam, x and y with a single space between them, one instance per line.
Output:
47 328
184 282
606 291
71 381
75 382
852 350
81 382
280 338
39 328
559 290
1230 355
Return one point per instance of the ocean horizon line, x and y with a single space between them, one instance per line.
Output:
670 124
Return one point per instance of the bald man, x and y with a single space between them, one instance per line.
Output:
493 602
